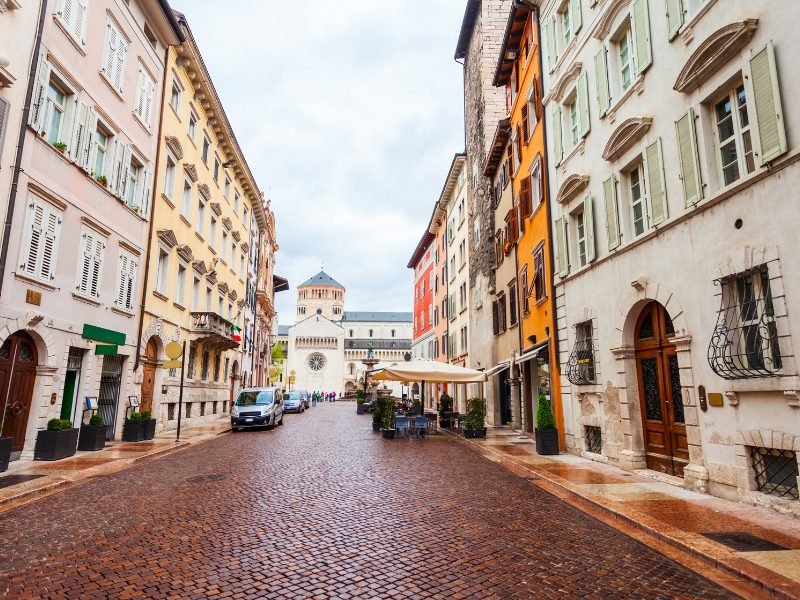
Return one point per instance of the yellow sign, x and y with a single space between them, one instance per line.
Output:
173 350
714 399
172 364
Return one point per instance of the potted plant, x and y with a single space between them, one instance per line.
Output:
386 408
58 441
133 431
377 417
5 452
445 410
93 434
546 432
415 407
60 146
149 425
102 180
360 408
474 424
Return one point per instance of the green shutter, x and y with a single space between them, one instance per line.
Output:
641 31
612 213
689 159
674 17
583 104
575 15
654 171
771 139
555 122
550 40
561 247
588 228
601 79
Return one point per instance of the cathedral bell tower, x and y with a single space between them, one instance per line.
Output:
320 295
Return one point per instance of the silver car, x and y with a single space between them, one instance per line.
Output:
257 407
307 397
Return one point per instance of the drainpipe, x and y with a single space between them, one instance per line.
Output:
151 225
26 110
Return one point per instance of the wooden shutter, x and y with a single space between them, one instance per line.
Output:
588 228
601 79
561 247
612 213
39 94
771 138
641 31
555 122
550 40
575 15
4 110
513 226
583 104
689 159
77 139
674 17
525 198
525 123
654 170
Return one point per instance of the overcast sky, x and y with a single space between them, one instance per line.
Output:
349 113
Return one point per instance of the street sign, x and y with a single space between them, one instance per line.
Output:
172 364
174 350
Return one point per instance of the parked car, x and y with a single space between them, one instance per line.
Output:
257 407
294 402
307 396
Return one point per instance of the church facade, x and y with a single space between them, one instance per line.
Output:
326 345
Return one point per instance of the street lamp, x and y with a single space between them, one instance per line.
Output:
369 362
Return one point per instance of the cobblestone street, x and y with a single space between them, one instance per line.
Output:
323 507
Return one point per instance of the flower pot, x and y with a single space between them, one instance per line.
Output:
475 433
55 445
149 429
5 452
388 434
547 441
360 409
133 431
376 427
92 437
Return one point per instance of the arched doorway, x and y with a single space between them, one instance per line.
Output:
663 422
18 361
149 375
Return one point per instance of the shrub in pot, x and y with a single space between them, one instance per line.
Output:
59 440
386 407
474 422
5 452
93 434
149 425
377 418
360 408
133 430
445 410
546 432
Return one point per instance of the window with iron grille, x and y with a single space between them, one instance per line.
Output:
776 472
594 439
171 411
745 340
204 365
538 274
512 303
580 368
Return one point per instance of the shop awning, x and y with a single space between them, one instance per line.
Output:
498 368
541 348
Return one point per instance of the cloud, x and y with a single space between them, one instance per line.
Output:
348 113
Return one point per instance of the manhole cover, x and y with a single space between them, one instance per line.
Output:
741 541
206 478
10 480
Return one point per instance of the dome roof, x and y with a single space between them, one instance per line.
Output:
321 279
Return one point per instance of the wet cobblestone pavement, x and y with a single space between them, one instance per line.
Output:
324 508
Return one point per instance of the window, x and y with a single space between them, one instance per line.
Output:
776 472
90 263
73 15
186 200
581 238
734 143
462 253
539 289
464 340
204 365
233 255
221 305
193 125
180 284
498 247
175 96
236 202
192 360
114 53
476 231
216 169
241 265
501 313
512 303
162 271
101 142
200 225
206 148
245 218
638 206
573 124
209 295
227 188
581 368
370 333
224 245
213 232
169 177
462 296
195 294
145 98
625 65
39 251
133 182
126 281
55 107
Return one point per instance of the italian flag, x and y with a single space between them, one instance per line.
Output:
237 333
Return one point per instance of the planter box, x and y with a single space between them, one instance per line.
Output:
5 452
55 445
149 429
388 434
92 437
376 427
133 431
547 441
475 433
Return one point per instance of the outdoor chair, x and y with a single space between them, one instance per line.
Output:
420 425
401 424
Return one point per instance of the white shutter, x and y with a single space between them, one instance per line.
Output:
601 79
90 265
583 104
124 168
561 247
34 238
123 267
612 212
130 288
36 114
575 15
656 191
674 17
588 228
641 31
68 13
145 186
689 159
52 233
550 40
555 122
114 159
109 50
90 143
99 255
81 18
4 110
771 138
150 101
140 94
78 132
119 64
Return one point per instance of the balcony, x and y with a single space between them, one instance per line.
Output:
212 331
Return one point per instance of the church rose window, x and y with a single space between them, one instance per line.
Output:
316 362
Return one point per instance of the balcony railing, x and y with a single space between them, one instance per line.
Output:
366 344
213 330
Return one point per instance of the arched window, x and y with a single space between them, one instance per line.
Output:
370 333
351 333
392 332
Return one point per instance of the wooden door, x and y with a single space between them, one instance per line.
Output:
18 362
663 421
149 376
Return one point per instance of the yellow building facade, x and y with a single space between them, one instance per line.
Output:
206 207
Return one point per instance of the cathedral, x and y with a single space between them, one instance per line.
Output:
327 344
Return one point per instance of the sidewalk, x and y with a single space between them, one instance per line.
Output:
26 479
760 546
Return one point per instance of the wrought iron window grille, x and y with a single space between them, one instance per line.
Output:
581 367
744 344
776 472
594 439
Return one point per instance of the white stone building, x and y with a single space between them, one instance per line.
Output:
672 162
